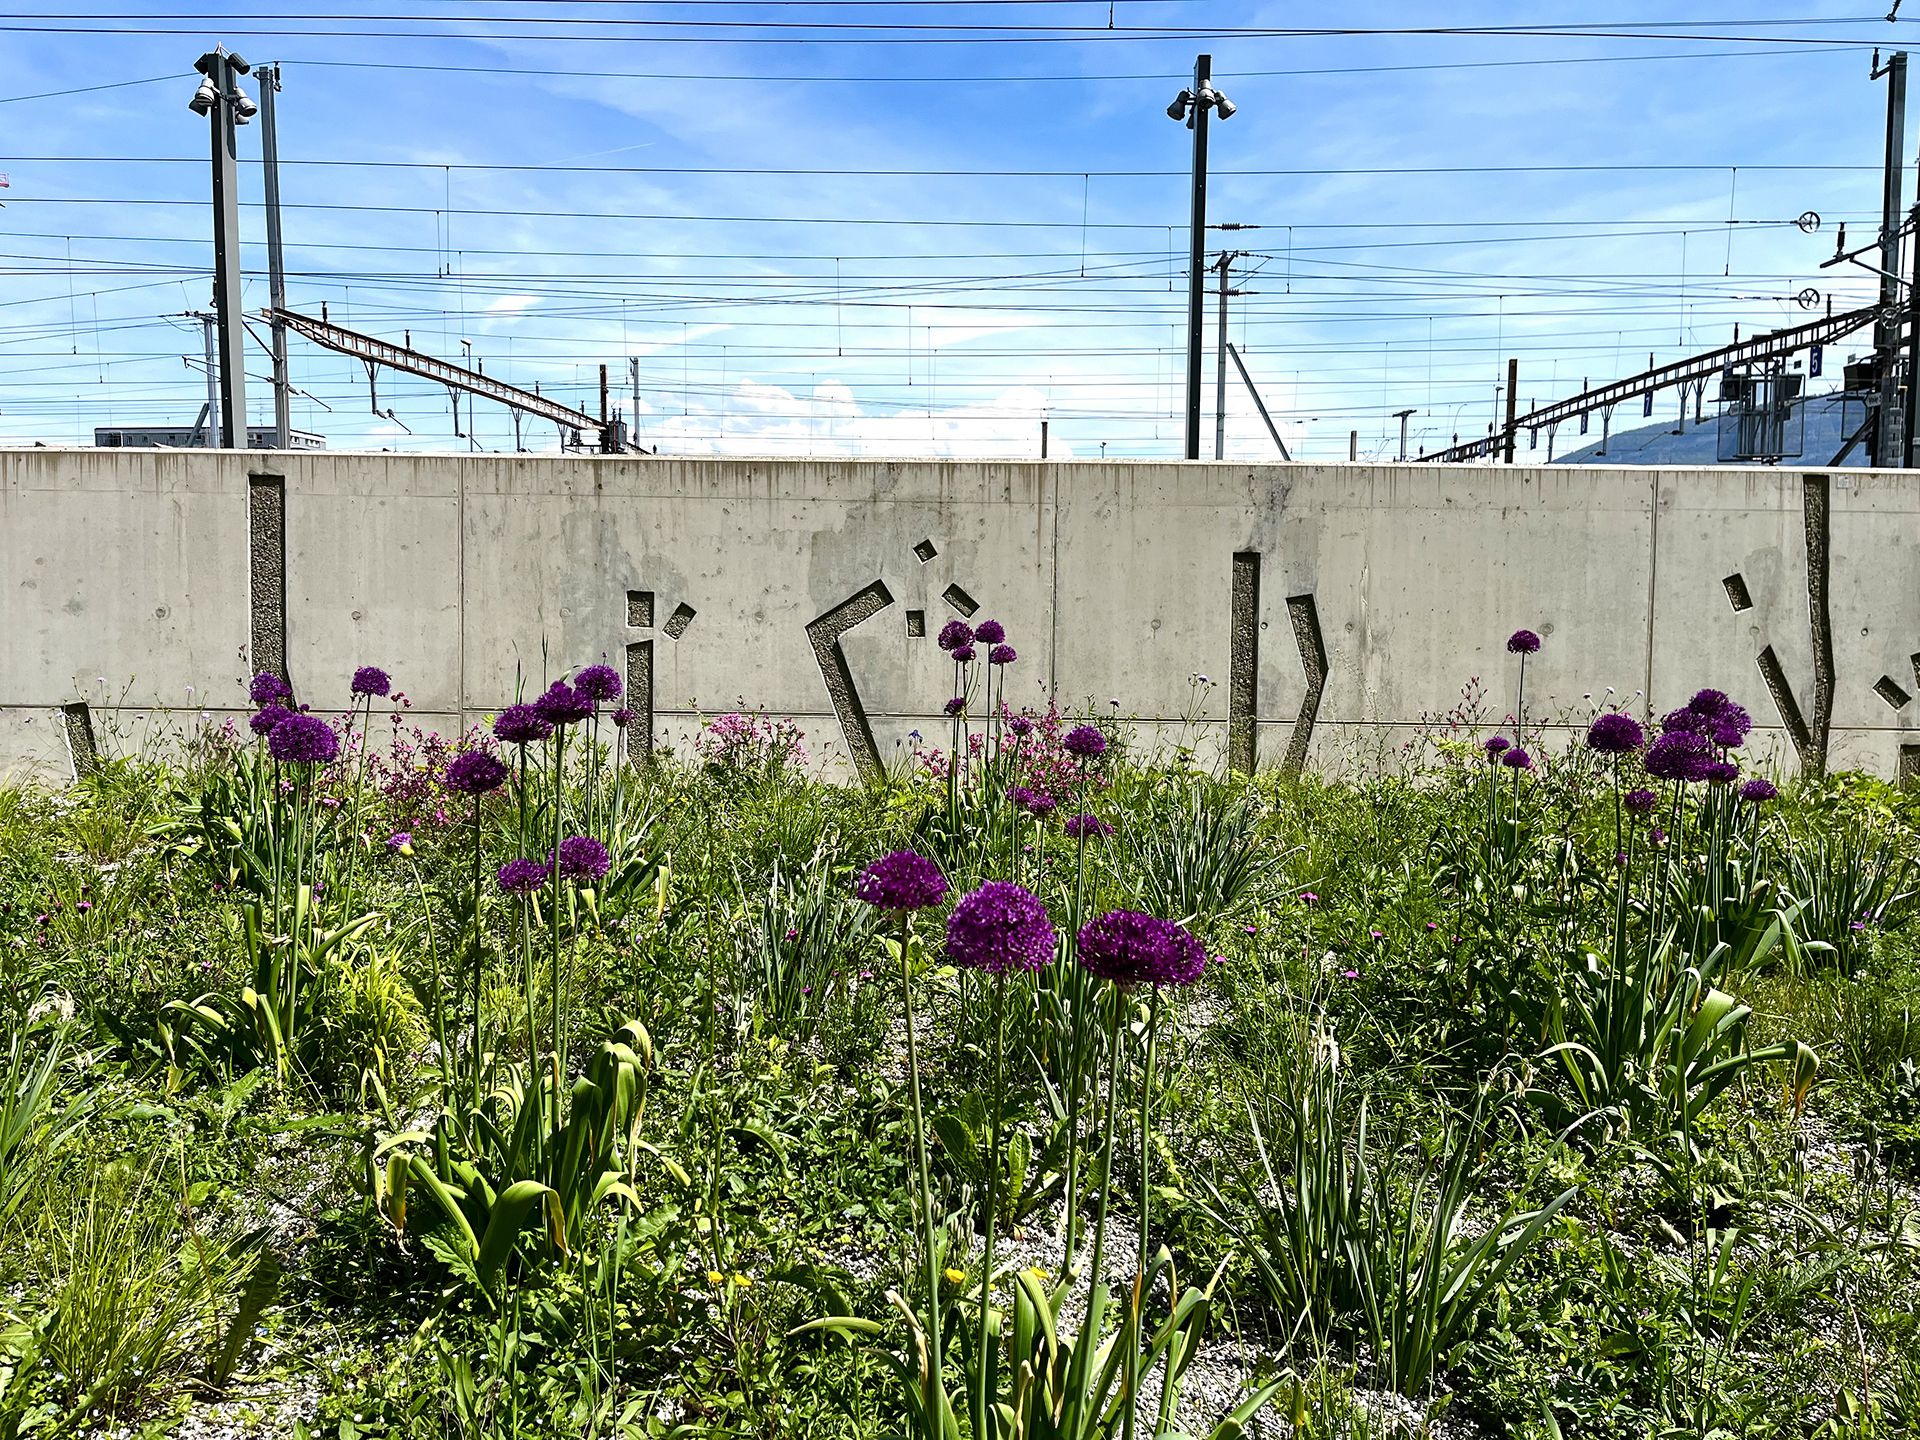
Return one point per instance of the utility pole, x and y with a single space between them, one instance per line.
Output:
1043 437
1913 340
1886 330
1192 106
633 419
213 382
1225 264
1513 397
1401 416
276 258
220 99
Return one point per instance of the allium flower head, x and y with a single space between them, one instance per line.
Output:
475 772
267 687
1680 755
520 725
1640 802
1614 733
990 632
303 740
903 880
598 682
1002 655
1089 827
1758 792
1708 703
956 705
371 680
1522 642
1130 948
522 877
1729 728
963 654
1517 759
266 717
622 717
561 704
1722 772
1020 725
954 634
1496 746
1000 927
584 858
1086 741
1683 721
401 842
1034 802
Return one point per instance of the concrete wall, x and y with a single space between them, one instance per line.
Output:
146 585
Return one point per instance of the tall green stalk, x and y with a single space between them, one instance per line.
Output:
983 1369
935 1390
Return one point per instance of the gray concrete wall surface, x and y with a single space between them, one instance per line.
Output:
1334 607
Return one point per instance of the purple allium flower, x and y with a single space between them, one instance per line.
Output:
267 687
1614 733
1729 728
303 740
520 725
990 632
1708 703
956 705
522 877
1517 759
1086 741
1088 827
1002 655
1683 722
1680 755
584 858
1640 802
475 772
1721 772
1000 927
963 654
1034 802
1130 948
598 682
954 634
1496 746
1020 725
371 680
622 717
1522 642
561 704
266 717
1757 792
401 842
903 880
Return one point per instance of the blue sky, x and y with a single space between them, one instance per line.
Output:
997 276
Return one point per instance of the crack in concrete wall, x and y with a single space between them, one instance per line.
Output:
825 632
1313 660
267 575
1243 665
76 723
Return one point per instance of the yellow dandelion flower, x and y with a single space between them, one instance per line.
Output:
954 1277
714 1277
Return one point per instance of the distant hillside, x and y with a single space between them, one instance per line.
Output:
1825 423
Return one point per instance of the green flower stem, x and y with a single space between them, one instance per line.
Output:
936 1394
982 1368
478 951
1131 1357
